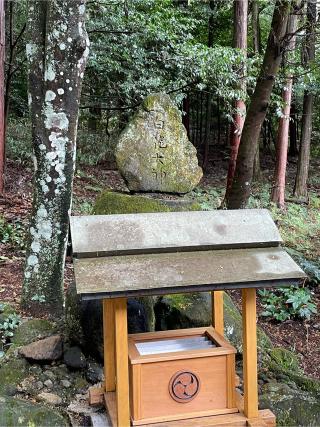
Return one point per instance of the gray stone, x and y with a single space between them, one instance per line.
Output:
39 385
94 373
74 358
49 374
50 398
153 153
66 383
47 349
48 384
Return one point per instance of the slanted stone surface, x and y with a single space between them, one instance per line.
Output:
47 349
17 412
153 152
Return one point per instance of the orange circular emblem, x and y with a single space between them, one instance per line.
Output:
184 386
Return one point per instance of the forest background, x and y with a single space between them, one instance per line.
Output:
186 49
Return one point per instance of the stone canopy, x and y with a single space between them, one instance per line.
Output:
153 152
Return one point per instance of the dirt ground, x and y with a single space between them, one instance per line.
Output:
301 337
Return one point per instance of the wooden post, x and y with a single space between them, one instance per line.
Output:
217 311
122 371
250 374
109 345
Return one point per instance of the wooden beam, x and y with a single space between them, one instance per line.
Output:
122 371
109 345
250 374
217 311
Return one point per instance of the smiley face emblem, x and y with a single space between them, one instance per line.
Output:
184 386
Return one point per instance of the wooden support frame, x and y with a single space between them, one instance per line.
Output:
250 373
122 370
116 360
217 311
109 345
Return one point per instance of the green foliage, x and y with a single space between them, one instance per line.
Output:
94 148
150 46
19 141
7 327
12 234
300 227
208 199
287 303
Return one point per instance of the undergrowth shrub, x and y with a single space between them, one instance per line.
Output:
287 303
12 234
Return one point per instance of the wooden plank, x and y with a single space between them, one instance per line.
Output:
154 274
231 377
231 420
109 344
217 311
250 374
122 371
227 420
100 235
110 400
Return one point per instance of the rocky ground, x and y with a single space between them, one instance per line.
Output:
52 388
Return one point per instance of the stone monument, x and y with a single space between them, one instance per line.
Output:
153 153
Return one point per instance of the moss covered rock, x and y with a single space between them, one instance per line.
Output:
153 153
110 203
12 372
33 330
17 412
292 407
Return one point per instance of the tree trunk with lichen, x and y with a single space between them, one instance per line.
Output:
239 193
57 50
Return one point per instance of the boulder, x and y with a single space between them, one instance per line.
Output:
33 330
194 310
47 349
153 152
17 412
74 358
292 407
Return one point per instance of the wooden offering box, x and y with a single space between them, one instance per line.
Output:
180 374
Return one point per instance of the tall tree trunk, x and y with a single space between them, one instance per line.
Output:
240 17
279 179
57 50
207 135
293 148
256 38
2 121
13 48
240 191
300 187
